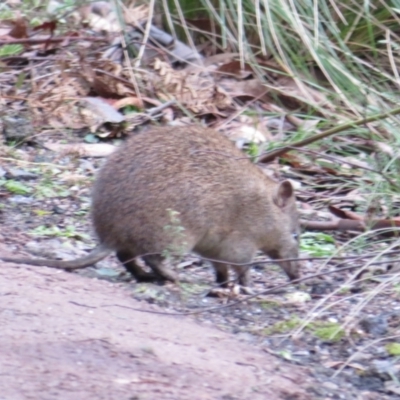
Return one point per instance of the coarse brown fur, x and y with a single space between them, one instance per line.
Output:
227 206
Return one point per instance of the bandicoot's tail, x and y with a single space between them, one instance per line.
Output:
97 254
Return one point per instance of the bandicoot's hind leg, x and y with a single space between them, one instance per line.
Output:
221 274
159 266
129 261
243 274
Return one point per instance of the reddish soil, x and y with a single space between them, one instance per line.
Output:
64 336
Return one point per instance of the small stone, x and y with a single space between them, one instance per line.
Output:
384 369
321 288
330 386
301 353
19 199
17 128
298 297
392 387
360 356
20 175
376 326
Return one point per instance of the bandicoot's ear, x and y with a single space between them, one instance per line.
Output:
284 194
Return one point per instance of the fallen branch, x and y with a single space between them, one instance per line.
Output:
350 225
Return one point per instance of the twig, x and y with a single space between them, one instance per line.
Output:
50 40
237 302
40 164
360 351
269 261
161 107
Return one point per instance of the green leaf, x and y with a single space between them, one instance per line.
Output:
393 348
17 187
10 50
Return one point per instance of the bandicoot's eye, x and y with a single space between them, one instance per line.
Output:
295 236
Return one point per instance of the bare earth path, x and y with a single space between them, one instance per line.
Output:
64 336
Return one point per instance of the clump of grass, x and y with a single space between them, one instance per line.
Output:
317 244
15 187
324 330
282 326
55 231
327 331
269 304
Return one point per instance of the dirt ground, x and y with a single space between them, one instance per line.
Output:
64 336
